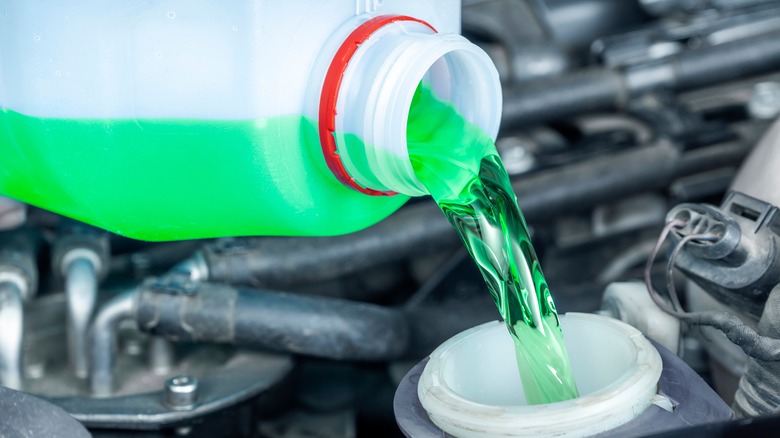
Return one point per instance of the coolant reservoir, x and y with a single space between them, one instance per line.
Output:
189 119
470 387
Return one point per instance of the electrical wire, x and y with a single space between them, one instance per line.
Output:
753 344
670 265
675 223
676 308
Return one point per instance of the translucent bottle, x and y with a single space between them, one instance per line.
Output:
190 119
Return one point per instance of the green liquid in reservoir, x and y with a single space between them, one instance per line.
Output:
459 165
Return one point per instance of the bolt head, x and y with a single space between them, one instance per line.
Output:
765 101
181 392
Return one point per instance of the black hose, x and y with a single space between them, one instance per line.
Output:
560 97
578 187
726 62
282 262
753 344
758 392
727 154
421 228
322 327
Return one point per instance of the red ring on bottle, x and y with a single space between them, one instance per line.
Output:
330 93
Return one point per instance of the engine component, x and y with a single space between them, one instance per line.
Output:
82 254
12 213
18 283
567 95
229 380
742 266
11 345
765 101
753 344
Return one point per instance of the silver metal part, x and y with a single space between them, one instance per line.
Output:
18 280
81 254
516 154
227 376
103 342
181 392
194 267
81 287
765 101
162 355
11 335
239 376
12 213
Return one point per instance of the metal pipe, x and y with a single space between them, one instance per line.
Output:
18 283
81 287
11 334
161 355
103 334
12 213
195 268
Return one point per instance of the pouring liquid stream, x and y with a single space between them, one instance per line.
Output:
458 164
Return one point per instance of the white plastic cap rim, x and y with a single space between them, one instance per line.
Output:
604 409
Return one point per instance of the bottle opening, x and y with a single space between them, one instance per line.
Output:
459 79
366 143
331 89
465 79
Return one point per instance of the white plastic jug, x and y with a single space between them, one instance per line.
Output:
183 71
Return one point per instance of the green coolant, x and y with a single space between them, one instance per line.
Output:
458 164
169 179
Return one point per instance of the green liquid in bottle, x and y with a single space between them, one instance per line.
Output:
459 165
172 179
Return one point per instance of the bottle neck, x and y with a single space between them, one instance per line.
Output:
368 93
